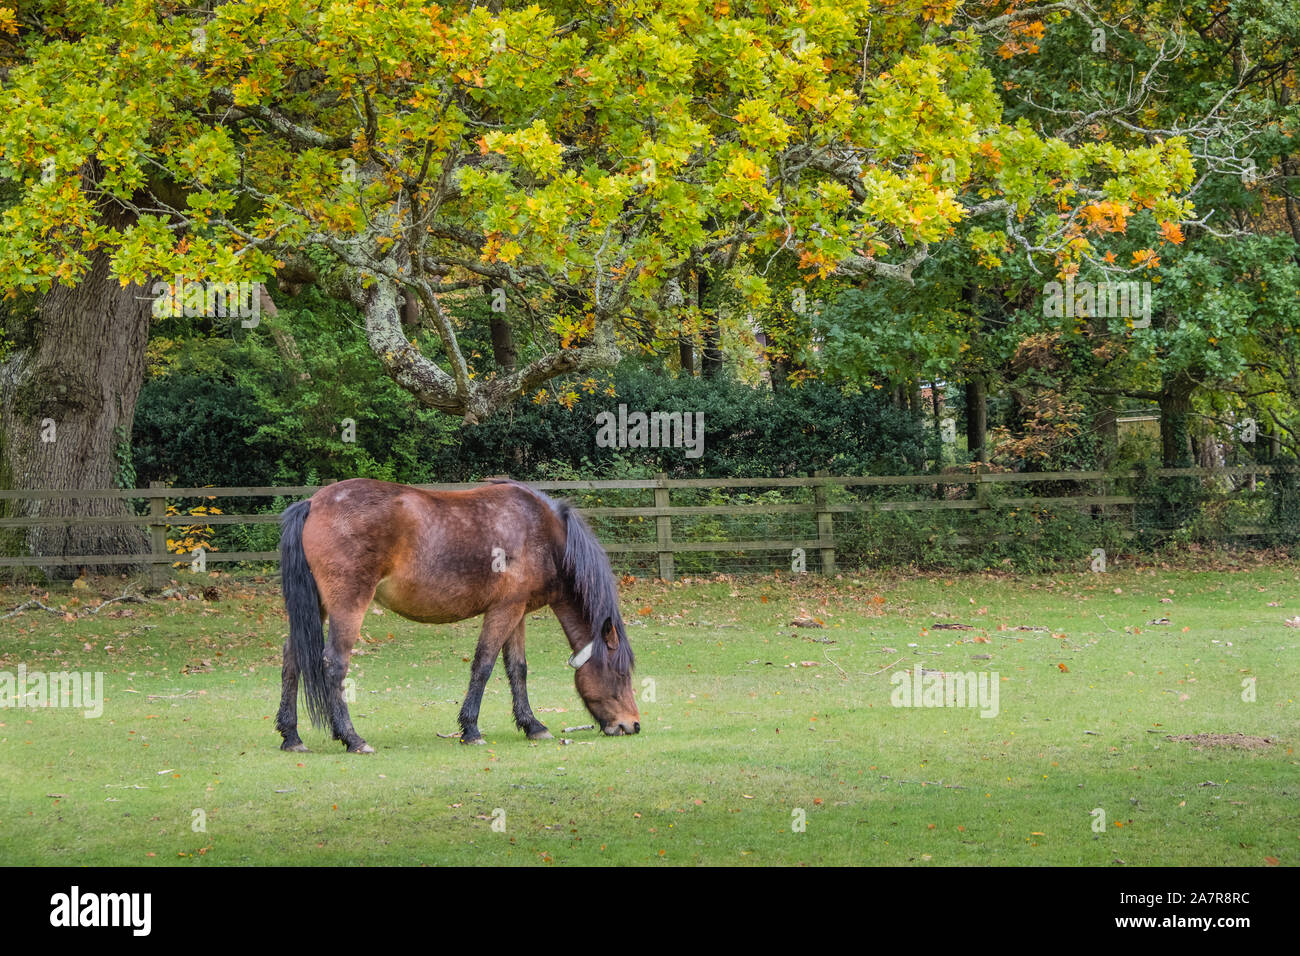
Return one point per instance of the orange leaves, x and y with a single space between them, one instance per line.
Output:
1026 32
1171 232
247 91
1063 669
1146 258
1106 216
938 11
990 152
491 248
469 77
746 168
822 265
778 234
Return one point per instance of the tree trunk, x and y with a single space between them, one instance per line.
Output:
1176 496
1289 169
977 418
1107 426
711 357
779 368
936 407
503 344
1175 409
686 352
410 313
69 401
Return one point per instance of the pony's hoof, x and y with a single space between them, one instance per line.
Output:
541 735
364 748
297 747
477 741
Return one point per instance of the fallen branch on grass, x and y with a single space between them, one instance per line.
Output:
131 598
885 668
37 605
836 666
30 605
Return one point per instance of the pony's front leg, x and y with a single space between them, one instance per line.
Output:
345 629
517 671
498 624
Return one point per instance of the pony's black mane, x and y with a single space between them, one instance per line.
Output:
590 580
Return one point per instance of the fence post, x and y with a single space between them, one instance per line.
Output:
825 527
982 488
664 529
157 537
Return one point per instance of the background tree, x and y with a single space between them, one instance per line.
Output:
580 162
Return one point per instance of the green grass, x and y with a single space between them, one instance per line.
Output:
735 741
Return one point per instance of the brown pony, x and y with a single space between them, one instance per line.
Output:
502 550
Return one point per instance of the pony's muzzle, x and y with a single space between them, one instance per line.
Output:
618 728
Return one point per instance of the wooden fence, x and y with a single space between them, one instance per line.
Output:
822 543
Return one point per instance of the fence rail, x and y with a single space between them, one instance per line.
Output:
661 513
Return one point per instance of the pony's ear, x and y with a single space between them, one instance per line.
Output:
611 637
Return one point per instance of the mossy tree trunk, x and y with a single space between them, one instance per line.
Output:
68 394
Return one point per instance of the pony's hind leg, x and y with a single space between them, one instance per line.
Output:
517 671
498 624
286 721
345 629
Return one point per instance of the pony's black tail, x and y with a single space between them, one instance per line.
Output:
302 601
586 566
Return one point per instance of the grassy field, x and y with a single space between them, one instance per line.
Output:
763 742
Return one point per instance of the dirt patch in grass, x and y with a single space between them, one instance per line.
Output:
1241 741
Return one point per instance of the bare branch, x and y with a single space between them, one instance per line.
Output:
296 132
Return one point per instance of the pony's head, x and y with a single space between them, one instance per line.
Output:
602 658
603 677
